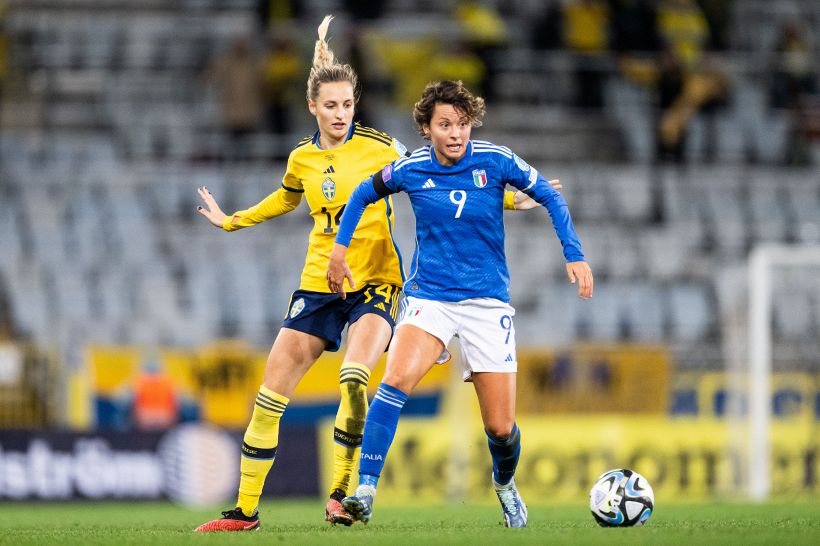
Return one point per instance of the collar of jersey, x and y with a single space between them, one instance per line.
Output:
436 162
349 135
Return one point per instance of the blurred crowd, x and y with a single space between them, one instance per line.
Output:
676 49
686 55
260 79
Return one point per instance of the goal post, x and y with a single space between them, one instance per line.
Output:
763 261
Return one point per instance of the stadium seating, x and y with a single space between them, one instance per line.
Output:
102 243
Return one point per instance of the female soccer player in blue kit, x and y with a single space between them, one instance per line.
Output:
459 281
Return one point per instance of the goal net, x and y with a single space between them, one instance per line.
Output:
774 371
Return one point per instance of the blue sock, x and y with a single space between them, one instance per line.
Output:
505 452
379 430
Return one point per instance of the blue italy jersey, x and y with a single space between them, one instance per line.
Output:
459 218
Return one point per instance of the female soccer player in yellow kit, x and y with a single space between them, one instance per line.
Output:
325 168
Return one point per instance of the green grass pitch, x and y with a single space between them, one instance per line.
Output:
300 522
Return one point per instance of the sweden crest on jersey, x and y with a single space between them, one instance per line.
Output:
329 188
479 178
297 307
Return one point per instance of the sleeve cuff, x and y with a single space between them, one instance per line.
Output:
227 225
509 200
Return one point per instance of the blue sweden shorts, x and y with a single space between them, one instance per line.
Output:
325 315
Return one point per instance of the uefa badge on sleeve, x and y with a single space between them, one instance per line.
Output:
480 178
523 165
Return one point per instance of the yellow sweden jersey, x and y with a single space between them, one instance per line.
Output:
327 178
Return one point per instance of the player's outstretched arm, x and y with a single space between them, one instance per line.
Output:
338 271
282 201
211 210
582 273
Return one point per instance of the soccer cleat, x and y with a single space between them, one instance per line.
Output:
360 505
334 513
231 520
515 511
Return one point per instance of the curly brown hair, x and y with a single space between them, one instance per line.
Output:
447 92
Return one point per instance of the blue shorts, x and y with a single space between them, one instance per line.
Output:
325 315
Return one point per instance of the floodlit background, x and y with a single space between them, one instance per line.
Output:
133 334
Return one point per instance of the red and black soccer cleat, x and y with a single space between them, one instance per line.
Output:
334 513
231 520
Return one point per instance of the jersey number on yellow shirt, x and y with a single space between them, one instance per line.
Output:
337 218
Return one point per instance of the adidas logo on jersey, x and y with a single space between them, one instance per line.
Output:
509 358
380 306
429 184
329 170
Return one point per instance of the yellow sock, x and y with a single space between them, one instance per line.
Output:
349 425
259 447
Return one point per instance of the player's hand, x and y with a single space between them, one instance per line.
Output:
338 271
522 201
211 210
581 272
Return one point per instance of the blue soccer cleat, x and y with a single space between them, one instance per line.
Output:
515 511
360 504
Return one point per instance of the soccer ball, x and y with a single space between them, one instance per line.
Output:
621 498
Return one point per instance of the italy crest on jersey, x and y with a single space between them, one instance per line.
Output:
480 178
329 188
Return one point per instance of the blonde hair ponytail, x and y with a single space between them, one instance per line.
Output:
325 69
322 55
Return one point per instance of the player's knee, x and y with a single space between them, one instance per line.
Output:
399 380
500 429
